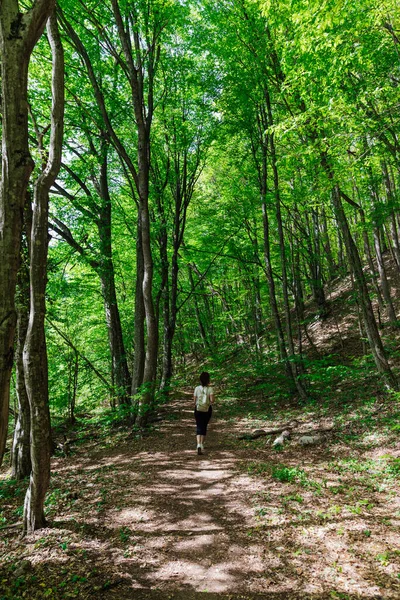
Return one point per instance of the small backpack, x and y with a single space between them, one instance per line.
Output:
202 403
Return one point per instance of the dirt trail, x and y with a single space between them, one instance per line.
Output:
189 516
151 520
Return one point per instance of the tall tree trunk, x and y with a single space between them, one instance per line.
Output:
316 267
291 354
143 105
35 353
150 364
165 295
368 254
20 455
262 125
171 327
73 386
271 288
200 324
384 280
378 235
138 342
371 328
120 372
327 245
393 225
19 33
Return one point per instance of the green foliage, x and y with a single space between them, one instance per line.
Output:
288 474
10 488
316 79
124 534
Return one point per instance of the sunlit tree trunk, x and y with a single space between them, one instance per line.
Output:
143 105
19 33
35 353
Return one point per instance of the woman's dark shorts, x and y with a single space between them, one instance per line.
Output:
202 419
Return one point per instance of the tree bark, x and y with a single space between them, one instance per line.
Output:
368 254
393 225
19 33
103 265
327 245
316 267
371 328
120 372
150 365
200 325
73 386
165 294
291 354
35 353
143 109
20 455
138 342
384 280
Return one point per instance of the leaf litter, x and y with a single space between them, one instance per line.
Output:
149 517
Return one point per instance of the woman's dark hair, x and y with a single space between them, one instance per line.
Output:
205 378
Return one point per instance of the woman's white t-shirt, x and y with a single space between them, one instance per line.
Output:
202 396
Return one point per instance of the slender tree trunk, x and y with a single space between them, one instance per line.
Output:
271 288
262 125
73 388
341 260
384 280
371 328
367 250
165 292
143 105
327 245
150 365
20 455
291 354
171 328
35 353
120 372
256 304
378 236
138 342
19 33
200 324
395 239
318 286
393 225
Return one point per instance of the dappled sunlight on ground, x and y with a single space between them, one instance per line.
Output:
153 515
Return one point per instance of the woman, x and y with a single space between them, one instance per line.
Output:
203 399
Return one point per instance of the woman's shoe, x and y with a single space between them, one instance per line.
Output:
199 450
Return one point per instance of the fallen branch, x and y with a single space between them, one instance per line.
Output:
257 433
13 526
263 432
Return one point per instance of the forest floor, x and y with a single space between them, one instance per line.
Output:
147 518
